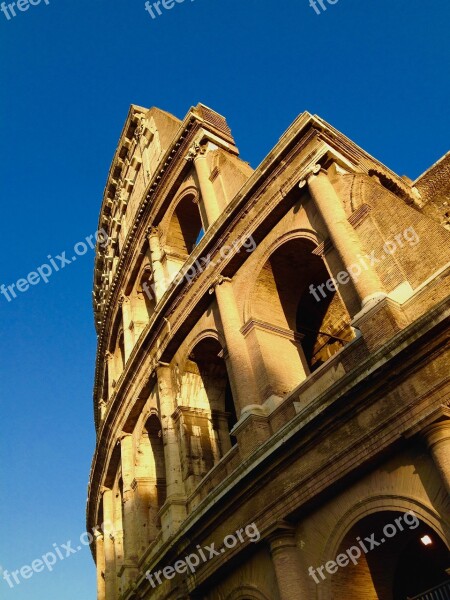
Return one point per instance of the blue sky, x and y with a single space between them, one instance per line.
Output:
376 70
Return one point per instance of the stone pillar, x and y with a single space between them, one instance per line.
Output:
101 566
144 491
198 154
345 239
437 437
220 421
159 279
127 318
173 512
242 378
111 372
108 545
129 510
292 576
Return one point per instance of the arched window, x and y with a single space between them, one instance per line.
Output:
146 296
157 464
186 228
116 352
208 358
291 331
285 297
209 413
150 478
410 562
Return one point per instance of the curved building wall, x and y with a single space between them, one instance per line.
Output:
271 368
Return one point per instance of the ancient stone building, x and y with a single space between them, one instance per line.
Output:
272 381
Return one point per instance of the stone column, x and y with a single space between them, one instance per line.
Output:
437 437
111 372
292 576
101 566
127 318
129 508
242 378
159 279
174 510
144 490
345 239
108 545
198 154
220 420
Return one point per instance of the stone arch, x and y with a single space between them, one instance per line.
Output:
381 503
116 351
348 529
140 299
150 475
263 257
320 314
207 411
202 335
286 324
183 223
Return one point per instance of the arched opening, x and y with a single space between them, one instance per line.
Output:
186 228
146 296
297 329
396 557
207 359
150 479
116 353
157 465
209 412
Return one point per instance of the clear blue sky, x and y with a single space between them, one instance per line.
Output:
377 70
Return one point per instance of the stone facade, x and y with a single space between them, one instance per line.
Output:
273 349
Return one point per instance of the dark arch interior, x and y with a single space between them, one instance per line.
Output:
154 432
421 568
284 288
185 227
399 568
145 289
207 355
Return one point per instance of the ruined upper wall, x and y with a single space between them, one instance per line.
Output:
434 187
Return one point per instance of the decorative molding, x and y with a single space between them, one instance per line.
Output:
310 172
195 151
214 174
264 326
359 215
221 279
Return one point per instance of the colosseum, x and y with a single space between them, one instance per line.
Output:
272 382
